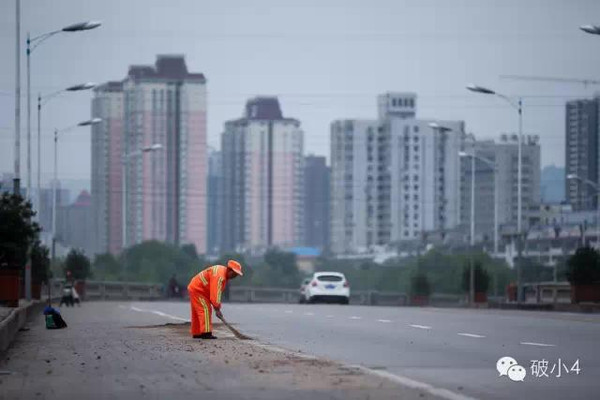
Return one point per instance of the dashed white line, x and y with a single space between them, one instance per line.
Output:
309 313
288 312
329 316
420 326
538 344
355 317
385 321
473 335
162 314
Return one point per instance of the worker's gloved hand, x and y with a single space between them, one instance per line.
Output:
219 314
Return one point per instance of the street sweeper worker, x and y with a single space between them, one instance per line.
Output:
205 291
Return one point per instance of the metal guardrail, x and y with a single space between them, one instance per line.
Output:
98 290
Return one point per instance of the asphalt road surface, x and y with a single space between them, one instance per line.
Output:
124 351
453 349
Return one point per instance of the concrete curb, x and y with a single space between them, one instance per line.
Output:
16 320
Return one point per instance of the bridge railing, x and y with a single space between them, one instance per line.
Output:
106 290
100 290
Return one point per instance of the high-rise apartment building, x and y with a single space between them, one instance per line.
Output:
73 224
581 152
393 178
504 156
107 167
161 105
262 178
316 202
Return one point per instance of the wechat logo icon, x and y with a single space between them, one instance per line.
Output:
508 366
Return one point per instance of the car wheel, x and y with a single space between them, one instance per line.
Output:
345 300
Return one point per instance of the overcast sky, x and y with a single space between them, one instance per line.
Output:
325 59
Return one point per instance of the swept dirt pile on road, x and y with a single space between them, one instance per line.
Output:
111 352
270 370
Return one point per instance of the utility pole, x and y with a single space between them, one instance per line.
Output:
17 149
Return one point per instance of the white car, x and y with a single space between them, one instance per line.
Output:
327 287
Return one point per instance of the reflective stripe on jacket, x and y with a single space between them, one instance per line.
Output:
210 284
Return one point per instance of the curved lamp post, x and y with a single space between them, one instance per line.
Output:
32 44
518 106
43 100
93 121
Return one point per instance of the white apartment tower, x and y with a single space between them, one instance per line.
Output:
393 178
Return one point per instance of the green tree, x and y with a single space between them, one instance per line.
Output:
18 232
154 261
40 263
107 267
419 285
278 269
583 267
77 265
482 278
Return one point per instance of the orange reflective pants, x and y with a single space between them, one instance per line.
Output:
201 314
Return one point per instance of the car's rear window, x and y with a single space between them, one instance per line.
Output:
329 278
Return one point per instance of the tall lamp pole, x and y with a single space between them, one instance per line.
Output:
42 100
17 145
93 121
32 44
518 106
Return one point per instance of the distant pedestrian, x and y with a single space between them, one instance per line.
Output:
67 296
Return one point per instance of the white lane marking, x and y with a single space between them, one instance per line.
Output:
309 313
355 317
473 335
420 326
538 344
385 321
288 312
411 383
402 380
329 316
160 313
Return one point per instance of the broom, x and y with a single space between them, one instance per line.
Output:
237 333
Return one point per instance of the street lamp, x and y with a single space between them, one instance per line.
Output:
42 100
591 29
492 165
32 44
518 105
597 189
93 121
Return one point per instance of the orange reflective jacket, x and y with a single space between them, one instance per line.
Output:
210 284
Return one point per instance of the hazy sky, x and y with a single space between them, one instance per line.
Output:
325 59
